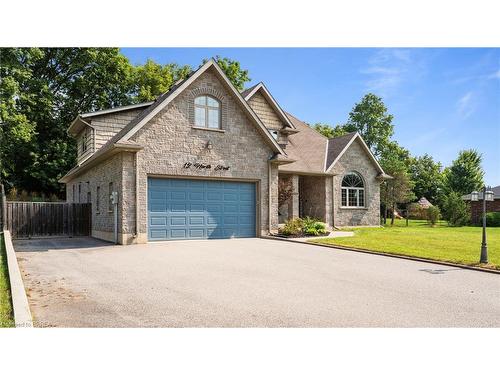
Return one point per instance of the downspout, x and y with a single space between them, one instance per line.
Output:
269 171
333 202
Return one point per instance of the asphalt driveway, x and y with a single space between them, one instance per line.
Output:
246 283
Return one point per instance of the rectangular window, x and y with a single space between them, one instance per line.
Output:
89 197
98 199
344 197
79 191
74 193
213 118
353 198
200 117
110 191
361 197
84 141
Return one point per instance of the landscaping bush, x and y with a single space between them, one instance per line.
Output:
456 211
432 214
306 226
313 227
292 227
493 219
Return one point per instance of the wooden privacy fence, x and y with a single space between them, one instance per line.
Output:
42 219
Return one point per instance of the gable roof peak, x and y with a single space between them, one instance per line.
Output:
260 87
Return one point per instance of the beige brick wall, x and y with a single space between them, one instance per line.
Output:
111 170
169 141
313 196
356 159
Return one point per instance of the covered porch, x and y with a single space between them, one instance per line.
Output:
302 195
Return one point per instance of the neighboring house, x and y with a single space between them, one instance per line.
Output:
203 161
424 203
476 207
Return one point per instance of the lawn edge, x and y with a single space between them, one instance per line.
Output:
374 252
20 305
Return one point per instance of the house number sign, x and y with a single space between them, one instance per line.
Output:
201 166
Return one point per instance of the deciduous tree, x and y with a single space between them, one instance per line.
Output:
465 173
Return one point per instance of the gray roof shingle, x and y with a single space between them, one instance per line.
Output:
336 145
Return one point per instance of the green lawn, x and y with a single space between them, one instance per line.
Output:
6 319
459 245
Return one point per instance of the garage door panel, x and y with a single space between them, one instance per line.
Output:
197 233
177 207
196 220
157 234
214 208
230 208
178 233
178 195
194 209
158 221
214 220
155 207
178 220
197 196
214 195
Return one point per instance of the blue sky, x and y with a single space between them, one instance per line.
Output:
443 99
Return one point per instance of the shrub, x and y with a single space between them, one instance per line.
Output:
456 211
416 211
433 213
292 227
306 226
12 195
493 219
313 227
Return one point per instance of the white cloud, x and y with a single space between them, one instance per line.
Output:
495 75
466 105
389 68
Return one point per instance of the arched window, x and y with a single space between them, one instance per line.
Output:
353 190
207 112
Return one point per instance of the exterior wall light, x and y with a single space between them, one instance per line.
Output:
209 145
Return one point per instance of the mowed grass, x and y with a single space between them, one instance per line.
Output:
458 245
6 318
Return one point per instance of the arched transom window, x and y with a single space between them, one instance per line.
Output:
353 190
207 112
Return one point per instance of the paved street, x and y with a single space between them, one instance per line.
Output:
246 283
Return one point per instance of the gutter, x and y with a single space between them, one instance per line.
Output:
99 156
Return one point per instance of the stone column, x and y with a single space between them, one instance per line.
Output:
293 204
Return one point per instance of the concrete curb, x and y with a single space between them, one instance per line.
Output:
406 257
22 313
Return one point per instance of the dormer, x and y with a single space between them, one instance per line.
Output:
93 129
263 104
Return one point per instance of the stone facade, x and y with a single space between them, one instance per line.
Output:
170 140
355 159
113 170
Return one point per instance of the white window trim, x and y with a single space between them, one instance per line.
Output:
207 108
357 197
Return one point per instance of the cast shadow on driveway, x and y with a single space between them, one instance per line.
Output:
46 244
